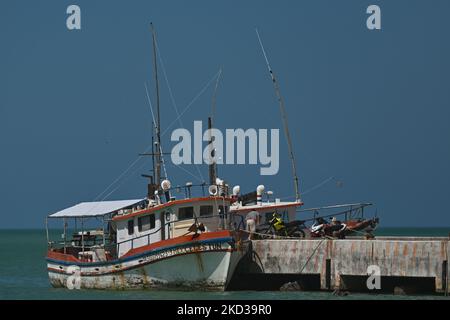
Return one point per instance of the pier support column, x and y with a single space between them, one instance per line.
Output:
447 285
444 277
325 276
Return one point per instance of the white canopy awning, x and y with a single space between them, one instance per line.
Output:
92 209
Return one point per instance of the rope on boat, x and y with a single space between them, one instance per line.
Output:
154 122
311 255
188 172
132 164
192 102
317 186
286 237
123 181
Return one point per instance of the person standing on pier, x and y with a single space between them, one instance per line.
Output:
252 220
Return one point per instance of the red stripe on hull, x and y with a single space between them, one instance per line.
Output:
164 243
179 240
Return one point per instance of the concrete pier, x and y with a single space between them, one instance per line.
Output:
404 262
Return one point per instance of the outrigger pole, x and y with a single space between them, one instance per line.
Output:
284 118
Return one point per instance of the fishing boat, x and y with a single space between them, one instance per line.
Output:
151 242
147 243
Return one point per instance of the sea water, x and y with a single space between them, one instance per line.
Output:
23 275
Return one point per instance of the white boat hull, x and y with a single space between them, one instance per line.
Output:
208 267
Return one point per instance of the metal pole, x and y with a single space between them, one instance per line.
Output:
65 230
212 153
284 118
82 236
46 231
152 179
162 223
158 121
103 225
213 167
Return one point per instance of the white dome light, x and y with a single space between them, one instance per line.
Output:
260 189
165 185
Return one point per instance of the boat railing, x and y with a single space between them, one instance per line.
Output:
229 223
91 240
189 190
346 211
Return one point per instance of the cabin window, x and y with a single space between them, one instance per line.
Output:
130 227
185 213
206 210
146 223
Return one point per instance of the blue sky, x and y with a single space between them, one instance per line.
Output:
370 108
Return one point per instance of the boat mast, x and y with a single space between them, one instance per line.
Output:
212 152
153 152
284 118
157 143
212 167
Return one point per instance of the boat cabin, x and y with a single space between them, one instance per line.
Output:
170 220
286 210
260 201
